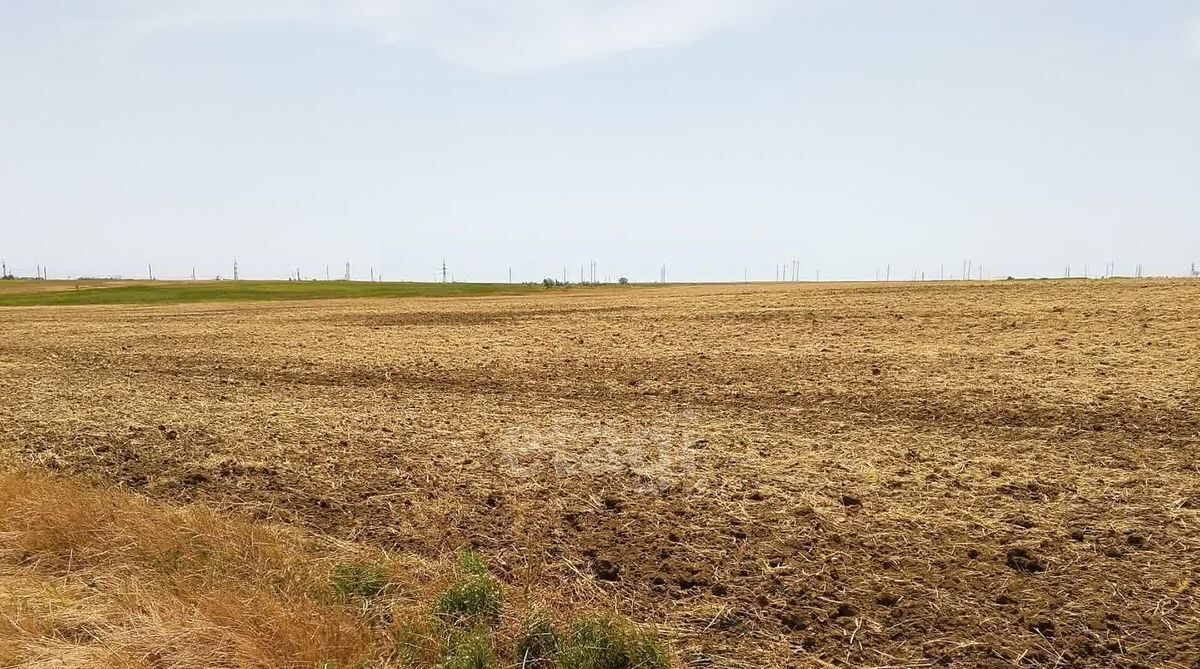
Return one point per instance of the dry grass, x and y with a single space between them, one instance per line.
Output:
91 578
94 579
877 475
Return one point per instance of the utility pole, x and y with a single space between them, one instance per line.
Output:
235 269
4 273
348 270
193 274
150 271
888 276
327 272
443 270
372 275
510 275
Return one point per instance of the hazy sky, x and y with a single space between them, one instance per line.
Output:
716 136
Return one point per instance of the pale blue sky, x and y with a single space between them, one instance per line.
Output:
710 135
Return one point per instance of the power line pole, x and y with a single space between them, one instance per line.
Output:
193 273
443 270
510 275
348 270
235 269
150 270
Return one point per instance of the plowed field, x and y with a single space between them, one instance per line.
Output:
865 475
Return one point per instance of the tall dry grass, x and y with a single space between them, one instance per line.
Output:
99 579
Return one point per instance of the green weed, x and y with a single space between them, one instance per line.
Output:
609 643
362 580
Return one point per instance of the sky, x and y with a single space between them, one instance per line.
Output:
720 138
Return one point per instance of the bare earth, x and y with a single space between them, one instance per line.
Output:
863 475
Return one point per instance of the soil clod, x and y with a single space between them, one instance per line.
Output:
1023 561
606 570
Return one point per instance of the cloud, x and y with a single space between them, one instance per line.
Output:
491 35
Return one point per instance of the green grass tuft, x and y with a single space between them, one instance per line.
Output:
472 563
472 650
362 580
538 644
475 599
609 643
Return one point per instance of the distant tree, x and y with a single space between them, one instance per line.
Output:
549 283
622 280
